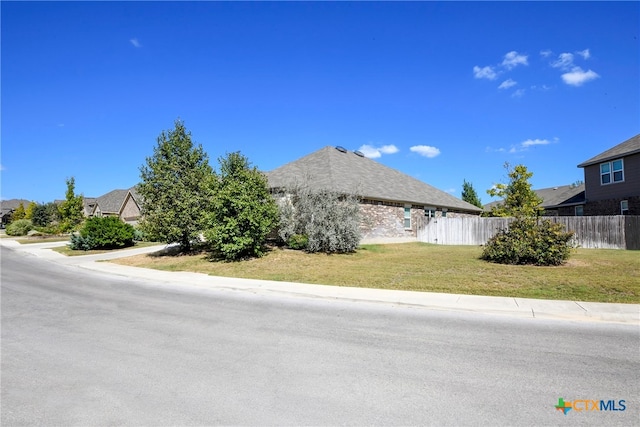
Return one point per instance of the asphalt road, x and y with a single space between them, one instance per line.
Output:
85 348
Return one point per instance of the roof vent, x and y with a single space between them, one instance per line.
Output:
341 149
358 153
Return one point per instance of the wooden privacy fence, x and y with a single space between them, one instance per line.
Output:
606 232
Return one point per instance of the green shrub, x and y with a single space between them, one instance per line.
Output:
529 241
19 227
298 241
79 242
329 220
107 233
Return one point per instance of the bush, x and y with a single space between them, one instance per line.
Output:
528 241
81 243
298 241
19 227
329 220
105 233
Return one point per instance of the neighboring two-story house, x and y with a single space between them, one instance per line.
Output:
612 180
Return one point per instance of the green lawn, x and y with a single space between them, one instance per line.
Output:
590 275
65 250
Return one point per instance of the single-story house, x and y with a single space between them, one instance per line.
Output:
7 207
391 203
124 204
612 180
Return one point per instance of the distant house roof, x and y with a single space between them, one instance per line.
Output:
628 147
8 206
563 195
348 172
112 202
554 197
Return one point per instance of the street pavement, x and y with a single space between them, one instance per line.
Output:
517 307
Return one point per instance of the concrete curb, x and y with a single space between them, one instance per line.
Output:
518 307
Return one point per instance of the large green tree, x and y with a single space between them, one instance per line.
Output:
177 187
469 194
243 213
71 209
518 199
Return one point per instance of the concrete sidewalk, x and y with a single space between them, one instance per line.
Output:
519 307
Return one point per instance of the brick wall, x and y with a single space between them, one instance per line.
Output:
387 220
612 206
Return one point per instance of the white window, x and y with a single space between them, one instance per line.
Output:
444 213
624 207
430 212
580 210
407 217
611 172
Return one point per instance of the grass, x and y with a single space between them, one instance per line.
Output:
65 250
47 239
590 275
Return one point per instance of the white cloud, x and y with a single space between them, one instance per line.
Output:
513 59
564 61
372 152
530 142
546 53
584 53
494 150
518 93
450 190
425 150
484 73
507 84
135 42
524 146
577 76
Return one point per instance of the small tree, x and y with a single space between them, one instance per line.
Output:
177 187
71 209
243 213
45 215
319 221
28 213
518 199
528 240
469 194
19 213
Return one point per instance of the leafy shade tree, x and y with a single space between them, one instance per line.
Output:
518 199
243 213
176 189
71 208
19 213
469 194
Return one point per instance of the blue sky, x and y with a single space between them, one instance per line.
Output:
442 91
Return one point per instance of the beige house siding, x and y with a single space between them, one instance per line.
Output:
130 211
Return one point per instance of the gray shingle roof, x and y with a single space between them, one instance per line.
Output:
562 195
630 146
348 173
552 197
112 201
